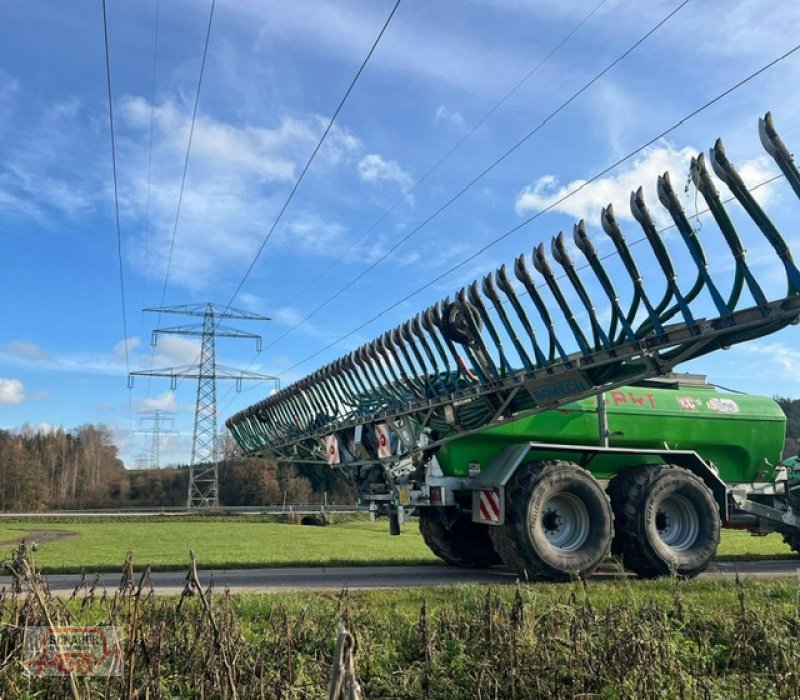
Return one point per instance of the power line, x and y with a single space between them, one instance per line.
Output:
150 170
188 149
483 173
203 471
442 159
313 156
612 253
452 150
550 206
185 168
150 155
314 153
156 418
116 189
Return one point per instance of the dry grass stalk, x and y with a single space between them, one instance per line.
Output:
343 684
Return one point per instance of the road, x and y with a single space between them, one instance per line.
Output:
372 577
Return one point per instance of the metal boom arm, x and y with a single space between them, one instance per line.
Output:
464 365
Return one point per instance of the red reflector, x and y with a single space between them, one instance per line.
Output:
436 493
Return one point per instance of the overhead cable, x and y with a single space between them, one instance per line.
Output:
116 189
188 149
150 171
311 158
314 153
481 174
406 195
575 190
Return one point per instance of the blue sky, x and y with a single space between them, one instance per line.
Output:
275 72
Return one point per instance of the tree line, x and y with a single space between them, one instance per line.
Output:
80 468
59 469
242 482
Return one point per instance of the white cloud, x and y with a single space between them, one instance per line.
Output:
340 144
12 392
586 203
9 86
124 348
756 171
252 150
26 351
775 357
42 167
176 350
442 52
644 170
310 233
163 402
171 350
374 168
251 302
291 317
269 153
238 175
748 29
230 196
451 118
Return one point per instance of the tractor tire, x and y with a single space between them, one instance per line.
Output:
453 537
791 535
558 524
665 521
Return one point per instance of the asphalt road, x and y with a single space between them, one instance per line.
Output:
374 577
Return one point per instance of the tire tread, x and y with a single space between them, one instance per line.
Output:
628 492
517 495
457 540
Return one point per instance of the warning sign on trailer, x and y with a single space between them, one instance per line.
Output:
332 449
488 506
384 439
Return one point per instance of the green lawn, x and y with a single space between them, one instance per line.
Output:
738 544
70 545
221 543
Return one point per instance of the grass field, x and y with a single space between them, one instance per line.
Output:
220 543
632 639
627 639
74 544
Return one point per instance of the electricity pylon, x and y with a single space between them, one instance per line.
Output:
203 471
156 418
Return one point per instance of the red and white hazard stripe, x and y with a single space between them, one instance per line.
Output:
489 503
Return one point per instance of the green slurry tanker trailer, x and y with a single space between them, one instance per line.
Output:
523 427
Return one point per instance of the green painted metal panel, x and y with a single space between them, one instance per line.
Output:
735 432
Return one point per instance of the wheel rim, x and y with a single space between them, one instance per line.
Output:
677 522
565 522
